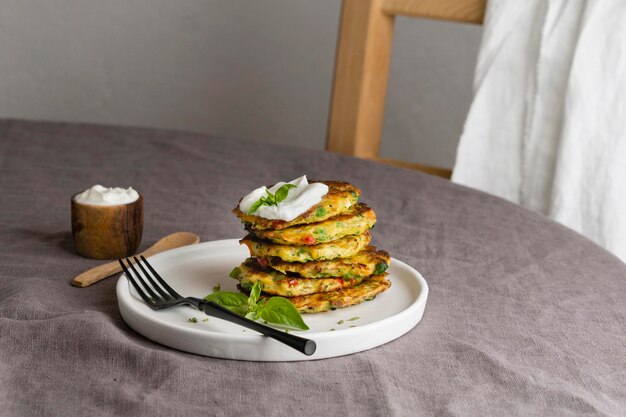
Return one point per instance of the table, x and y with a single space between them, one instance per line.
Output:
524 316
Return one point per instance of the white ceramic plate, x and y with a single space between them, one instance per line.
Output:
195 270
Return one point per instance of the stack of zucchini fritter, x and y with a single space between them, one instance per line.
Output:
321 260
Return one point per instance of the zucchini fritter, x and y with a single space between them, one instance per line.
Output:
341 196
356 220
365 263
341 248
277 283
365 291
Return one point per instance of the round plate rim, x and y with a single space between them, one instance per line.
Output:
410 317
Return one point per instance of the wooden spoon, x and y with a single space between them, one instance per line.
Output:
175 240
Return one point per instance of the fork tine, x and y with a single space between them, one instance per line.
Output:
164 294
155 297
140 290
161 280
303 345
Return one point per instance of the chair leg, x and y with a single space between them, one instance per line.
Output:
361 73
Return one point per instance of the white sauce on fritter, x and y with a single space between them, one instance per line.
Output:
298 200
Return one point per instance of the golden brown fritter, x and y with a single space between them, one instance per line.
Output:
365 291
365 263
341 248
340 197
277 283
356 220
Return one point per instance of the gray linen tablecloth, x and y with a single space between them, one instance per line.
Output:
524 317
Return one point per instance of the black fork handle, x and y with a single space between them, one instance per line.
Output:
306 346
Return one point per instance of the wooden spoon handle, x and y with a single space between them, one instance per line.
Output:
96 274
106 270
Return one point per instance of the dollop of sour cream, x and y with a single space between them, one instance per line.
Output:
300 199
107 196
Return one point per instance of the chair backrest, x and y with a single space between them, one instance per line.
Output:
362 67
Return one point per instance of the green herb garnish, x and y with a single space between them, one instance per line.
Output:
279 310
218 287
193 320
234 301
275 310
320 212
272 199
234 273
380 268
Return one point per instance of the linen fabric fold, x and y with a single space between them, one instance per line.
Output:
547 127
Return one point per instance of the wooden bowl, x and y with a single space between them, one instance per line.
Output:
107 232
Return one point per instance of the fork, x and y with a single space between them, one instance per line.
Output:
163 296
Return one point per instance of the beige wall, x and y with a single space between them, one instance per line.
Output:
241 68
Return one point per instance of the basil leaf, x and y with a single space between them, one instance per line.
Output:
275 310
255 293
279 310
252 316
234 301
271 199
256 206
257 308
282 192
263 201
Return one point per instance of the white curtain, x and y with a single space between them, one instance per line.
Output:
547 127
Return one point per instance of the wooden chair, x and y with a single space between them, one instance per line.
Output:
362 67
